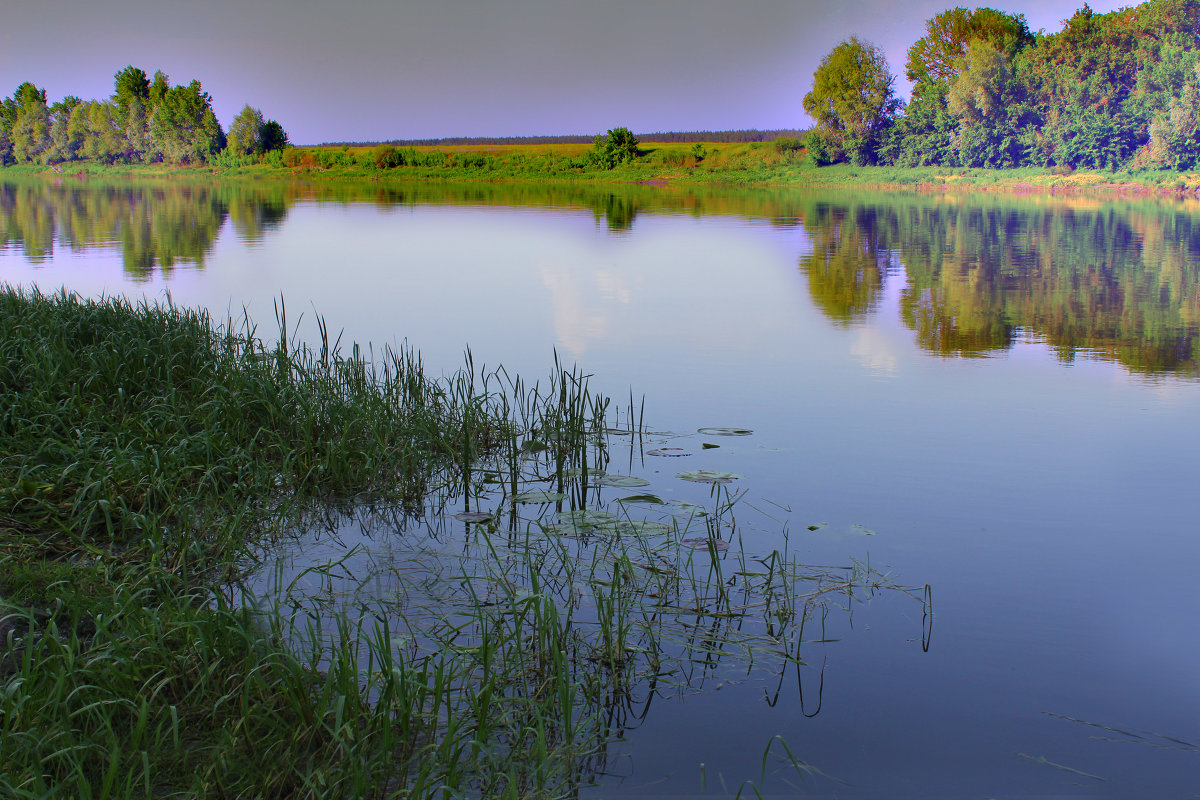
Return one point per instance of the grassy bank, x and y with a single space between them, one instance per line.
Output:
782 163
148 451
155 458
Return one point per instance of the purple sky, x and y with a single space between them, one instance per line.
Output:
366 70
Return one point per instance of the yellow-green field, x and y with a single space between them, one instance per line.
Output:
779 163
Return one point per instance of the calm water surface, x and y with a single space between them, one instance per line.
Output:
996 397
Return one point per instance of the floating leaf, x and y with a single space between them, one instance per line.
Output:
668 452
533 446
650 499
703 542
539 497
861 530
709 446
725 431
708 476
623 481
577 472
586 516
816 527
475 516
645 527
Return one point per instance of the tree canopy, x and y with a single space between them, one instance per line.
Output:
852 98
143 121
1108 91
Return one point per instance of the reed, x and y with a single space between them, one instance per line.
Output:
157 459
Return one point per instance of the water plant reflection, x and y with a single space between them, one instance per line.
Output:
553 617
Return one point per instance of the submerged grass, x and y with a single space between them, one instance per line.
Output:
153 456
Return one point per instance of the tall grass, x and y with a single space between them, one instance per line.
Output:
154 457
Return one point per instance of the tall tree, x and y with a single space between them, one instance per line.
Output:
935 56
62 148
245 131
273 136
183 127
852 98
132 86
31 132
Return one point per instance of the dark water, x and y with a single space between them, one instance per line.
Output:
994 396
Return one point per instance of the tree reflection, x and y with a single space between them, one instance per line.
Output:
155 226
1118 281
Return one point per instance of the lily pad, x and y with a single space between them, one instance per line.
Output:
474 516
703 542
725 431
708 476
709 446
642 499
668 452
539 497
586 516
623 481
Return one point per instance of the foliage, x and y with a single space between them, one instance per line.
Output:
935 57
243 137
852 101
617 147
143 122
385 156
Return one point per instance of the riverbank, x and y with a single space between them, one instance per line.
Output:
155 460
778 164
150 454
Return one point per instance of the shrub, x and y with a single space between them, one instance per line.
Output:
385 156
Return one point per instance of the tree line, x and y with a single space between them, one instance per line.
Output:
659 137
1109 91
144 121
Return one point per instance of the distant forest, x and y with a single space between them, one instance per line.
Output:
145 121
669 137
1109 91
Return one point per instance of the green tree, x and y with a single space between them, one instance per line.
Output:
935 57
104 141
183 127
852 99
11 108
62 148
132 86
244 136
31 133
272 136
617 147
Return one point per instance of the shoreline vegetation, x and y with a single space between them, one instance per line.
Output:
156 460
769 165
1108 104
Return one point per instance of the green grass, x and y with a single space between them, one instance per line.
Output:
781 163
155 458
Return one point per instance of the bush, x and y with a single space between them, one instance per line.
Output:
787 144
291 157
385 156
618 147
823 149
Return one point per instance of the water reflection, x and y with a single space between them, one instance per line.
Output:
155 226
1117 280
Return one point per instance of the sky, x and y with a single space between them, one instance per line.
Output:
375 70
